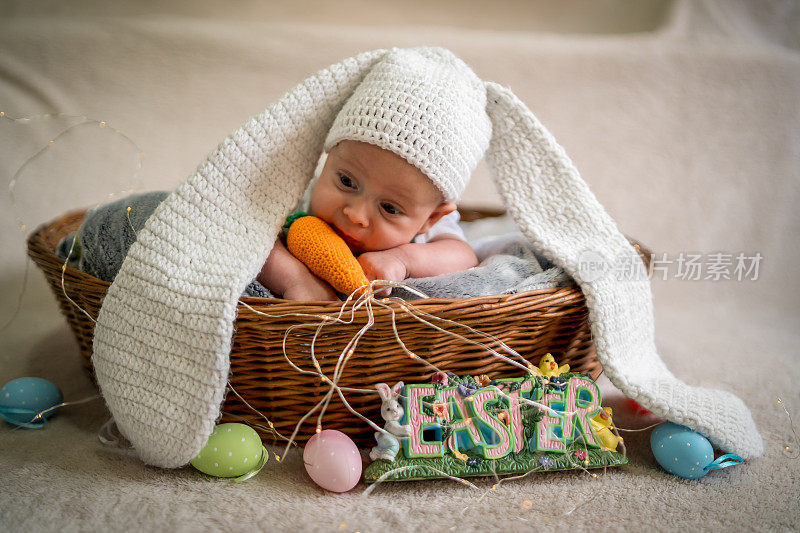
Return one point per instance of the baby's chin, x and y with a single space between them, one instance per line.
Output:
355 248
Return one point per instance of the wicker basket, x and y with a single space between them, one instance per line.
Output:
533 323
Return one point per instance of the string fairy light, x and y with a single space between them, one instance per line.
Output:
63 287
787 450
84 121
40 415
15 179
405 468
271 428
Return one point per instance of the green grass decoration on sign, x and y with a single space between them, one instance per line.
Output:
522 462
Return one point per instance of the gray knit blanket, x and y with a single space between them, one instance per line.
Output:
508 264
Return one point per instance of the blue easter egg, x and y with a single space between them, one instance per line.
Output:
22 399
681 451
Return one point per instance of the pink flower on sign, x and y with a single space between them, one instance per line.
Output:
439 409
581 454
440 377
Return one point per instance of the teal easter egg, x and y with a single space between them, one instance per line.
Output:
27 402
681 451
232 450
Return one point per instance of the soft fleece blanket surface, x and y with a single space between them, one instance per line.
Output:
688 134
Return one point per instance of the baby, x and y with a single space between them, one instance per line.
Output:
379 204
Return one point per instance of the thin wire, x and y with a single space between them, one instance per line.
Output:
786 449
21 295
84 120
401 469
64 289
40 414
275 432
413 311
651 426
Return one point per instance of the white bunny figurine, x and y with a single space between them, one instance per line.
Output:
392 412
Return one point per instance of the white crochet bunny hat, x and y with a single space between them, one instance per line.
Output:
425 105
163 336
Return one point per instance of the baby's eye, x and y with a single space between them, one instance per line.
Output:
390 209
346 181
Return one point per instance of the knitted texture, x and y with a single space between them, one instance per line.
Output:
313 241
427 106
560 216
163 335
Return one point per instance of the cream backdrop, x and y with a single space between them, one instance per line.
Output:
684 118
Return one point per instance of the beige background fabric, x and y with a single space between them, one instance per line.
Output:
683 118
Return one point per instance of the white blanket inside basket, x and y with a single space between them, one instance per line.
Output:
508 265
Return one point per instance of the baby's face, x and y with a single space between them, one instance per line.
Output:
374 199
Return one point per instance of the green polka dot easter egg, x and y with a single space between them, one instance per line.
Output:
232 450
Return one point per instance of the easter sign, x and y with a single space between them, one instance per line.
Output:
462 426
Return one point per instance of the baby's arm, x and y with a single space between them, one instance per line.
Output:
441 255
284 274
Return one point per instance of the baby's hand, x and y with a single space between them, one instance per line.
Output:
284 274
383 265
310 289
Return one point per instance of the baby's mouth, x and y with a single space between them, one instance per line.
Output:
352 243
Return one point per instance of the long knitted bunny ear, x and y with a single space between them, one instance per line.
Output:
557 212
163 336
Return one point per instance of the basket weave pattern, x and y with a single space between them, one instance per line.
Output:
532 323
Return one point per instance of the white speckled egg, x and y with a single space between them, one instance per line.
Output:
24 400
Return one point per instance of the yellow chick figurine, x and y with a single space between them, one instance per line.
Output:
601 425
549 368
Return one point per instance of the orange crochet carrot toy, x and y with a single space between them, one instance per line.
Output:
313 241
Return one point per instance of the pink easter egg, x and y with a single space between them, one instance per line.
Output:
332 460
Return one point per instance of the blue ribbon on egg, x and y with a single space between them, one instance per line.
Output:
7 413
724 461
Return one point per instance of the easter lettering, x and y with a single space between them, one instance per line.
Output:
548 419
477 427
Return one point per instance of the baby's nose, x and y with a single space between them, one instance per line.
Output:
357 214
